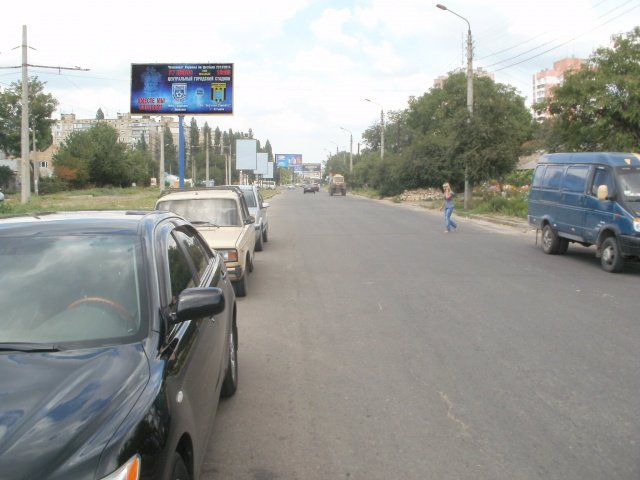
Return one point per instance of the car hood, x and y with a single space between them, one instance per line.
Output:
59 410
222 237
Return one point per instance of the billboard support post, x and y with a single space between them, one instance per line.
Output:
181 146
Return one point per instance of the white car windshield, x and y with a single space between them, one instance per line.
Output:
214 211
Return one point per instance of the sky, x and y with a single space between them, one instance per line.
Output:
302 68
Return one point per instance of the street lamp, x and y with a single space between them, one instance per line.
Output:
381 128
467 192
350 149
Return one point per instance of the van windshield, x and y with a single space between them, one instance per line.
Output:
629 178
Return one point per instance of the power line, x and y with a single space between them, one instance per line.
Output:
557 38
561 44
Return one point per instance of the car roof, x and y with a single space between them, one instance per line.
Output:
55 223
606 158
204 193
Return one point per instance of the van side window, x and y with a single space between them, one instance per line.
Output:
537 176
553 177
601 177
576 178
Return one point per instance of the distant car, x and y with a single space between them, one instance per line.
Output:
308 187
316 186
118 335
337 185
222 216
1 197
257 208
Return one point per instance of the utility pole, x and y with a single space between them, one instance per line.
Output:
25 175
25 191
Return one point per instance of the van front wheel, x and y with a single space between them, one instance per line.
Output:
610 256
550 241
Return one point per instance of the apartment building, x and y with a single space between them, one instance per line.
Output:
130 129
546 80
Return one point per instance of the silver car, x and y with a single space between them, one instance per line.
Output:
257 208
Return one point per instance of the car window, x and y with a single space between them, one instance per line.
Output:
217 211
84 288
553 177
630 182
602 176
180 273
576 178
250 198
537 176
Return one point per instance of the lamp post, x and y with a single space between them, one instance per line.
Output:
350 149
381 128
467 192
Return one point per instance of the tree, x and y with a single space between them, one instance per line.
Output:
7 176
41 108
99 114
170 152
597 108
194 144
95 156
444 140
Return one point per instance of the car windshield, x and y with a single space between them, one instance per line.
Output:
215 211
630 182
250 198
61 290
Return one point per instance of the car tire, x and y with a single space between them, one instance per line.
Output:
265 235
240 286
563 247
179 470
550 240
230 382
610 257
259 245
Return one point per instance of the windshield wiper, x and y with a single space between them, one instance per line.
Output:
29 347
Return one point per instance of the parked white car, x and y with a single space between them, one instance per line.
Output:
257 208
222 217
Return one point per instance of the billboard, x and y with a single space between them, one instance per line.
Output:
262 164
311 167
288 159
246 154
181 88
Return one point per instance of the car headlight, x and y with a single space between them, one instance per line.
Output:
636 224
229 255
128 471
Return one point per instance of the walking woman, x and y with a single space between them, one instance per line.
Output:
448 206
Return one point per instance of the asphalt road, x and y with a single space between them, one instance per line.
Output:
375 346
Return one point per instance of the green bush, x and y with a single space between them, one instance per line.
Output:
48 185
514 205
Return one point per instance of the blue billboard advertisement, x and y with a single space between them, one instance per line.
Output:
286 160
181 88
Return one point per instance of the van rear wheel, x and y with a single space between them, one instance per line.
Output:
550 241
610 257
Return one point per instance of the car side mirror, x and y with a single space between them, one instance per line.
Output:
603 192
251 219
265 204
197 303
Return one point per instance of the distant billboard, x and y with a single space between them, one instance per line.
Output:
288 159
311 167
246 154
262 164
181 88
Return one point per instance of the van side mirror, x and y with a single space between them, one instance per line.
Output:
603 192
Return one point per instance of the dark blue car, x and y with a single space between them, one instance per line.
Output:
118 335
